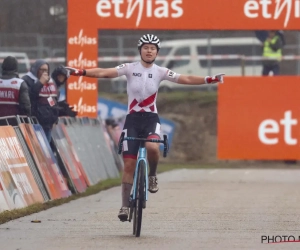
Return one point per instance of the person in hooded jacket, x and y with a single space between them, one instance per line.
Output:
60 76
43 95
14 94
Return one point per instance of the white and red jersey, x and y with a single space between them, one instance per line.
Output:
9 96
143 84
48 90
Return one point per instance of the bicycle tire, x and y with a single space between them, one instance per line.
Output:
140 197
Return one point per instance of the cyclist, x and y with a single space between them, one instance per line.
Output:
143 79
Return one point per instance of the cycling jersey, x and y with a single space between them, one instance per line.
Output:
143 84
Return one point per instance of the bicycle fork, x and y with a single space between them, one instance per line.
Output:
133 198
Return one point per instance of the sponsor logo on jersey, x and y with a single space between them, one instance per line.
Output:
120 66
137 74
171 74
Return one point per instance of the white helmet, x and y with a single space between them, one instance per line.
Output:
149 39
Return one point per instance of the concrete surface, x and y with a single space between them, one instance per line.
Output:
194 209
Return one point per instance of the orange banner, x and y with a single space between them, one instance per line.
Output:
13 155
259 118
185 14
45 170
85 18
70 158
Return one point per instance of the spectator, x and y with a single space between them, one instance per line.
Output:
43 96
60 75
14 94
272 53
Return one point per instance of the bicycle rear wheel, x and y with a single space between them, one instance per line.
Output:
140 197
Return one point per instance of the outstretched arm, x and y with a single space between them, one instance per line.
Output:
191 80
198 80
94 73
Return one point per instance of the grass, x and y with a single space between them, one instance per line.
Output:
35 208
7 216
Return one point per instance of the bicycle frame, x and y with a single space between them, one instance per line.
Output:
142 156
137 204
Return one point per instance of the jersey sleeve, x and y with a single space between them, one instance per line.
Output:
170 75
122 69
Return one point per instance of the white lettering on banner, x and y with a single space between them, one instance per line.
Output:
82 62
84 108
23 183
161 9
82 40
253 8
82 85
270 126
3 164
10 148
15 145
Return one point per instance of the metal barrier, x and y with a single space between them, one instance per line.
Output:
32 170
87 136
16 177
69 157
32 164
14 121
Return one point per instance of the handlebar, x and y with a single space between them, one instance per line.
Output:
165 141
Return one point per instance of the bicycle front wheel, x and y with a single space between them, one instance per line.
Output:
140 197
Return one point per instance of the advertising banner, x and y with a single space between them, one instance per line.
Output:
12 195
69 157
32 165
14 159
182 14
82 138
3 202
44 168
51 161
259 118
85 18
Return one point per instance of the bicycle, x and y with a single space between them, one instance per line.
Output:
139 194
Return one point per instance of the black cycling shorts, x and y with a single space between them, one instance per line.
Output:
139 124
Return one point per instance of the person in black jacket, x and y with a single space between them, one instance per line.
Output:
43 96
14 94
60 76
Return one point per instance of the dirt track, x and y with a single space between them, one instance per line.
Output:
194 209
